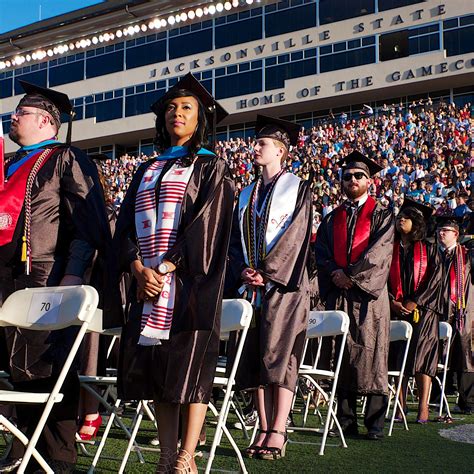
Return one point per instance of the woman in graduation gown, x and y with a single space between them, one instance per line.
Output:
268 260
410 287
172 234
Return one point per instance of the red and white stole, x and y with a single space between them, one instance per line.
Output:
14 193
420 265
156 225
361 235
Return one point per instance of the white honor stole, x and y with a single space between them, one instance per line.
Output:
282 208
156 226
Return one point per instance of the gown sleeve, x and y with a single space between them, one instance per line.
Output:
82 199
236 258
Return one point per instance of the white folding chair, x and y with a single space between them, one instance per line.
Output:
236 316
399 331
47 309
445 335
326 324
89 383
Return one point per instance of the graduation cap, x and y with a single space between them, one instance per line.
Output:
451 221
215 113
426 211
357 160
51 101
282 130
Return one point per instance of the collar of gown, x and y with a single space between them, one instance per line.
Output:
180 151
38 145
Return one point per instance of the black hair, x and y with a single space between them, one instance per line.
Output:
199 138
418 229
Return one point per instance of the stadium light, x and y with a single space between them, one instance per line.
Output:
129 30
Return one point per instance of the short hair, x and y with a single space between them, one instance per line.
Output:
280 144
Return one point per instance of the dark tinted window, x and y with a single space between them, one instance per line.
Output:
79 110
275 76
108 110
6 87
140 103
38 78
423 44
331 10
146 54
104 64
348 59
290 20
238 32
239 84
394 45
66 73
459 41
6 122
389 4
192 43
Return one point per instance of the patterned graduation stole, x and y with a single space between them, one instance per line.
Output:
156 223
259 233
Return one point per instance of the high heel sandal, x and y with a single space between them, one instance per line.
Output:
184 458
96 424
167 461
273 453
253 450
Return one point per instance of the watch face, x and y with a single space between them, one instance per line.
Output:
163 268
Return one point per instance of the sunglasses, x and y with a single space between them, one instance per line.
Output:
358 175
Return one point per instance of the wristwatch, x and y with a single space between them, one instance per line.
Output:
163 268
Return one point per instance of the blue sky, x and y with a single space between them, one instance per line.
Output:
17 13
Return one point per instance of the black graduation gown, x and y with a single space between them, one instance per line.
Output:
423 352
273 349
181 369
461 351
68 225
364 366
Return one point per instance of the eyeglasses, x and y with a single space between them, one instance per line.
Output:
21 112
358 175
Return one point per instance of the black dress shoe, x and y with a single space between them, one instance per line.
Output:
349 430
10 465
374 435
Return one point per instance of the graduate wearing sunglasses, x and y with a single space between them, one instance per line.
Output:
353 253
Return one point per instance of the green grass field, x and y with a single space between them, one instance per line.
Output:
421 449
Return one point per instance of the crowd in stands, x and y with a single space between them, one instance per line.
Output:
426 151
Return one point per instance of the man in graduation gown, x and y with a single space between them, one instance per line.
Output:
456 305
52 221
353 249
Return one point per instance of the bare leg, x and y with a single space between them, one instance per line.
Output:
167 419
423 382
193 419
282 398
264 401
403 396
